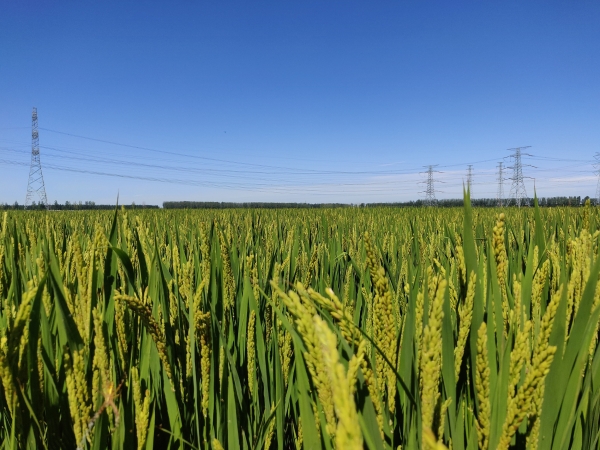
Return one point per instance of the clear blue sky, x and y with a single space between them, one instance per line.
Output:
296 100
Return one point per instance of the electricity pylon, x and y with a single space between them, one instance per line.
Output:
470 178
500 196
517 190
430 199
35 185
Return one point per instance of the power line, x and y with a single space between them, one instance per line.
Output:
316 171
167 152
35 184
190 169
229 174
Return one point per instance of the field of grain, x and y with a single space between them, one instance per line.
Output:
378 328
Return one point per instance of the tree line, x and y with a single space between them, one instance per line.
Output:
444 203
265 205
68 206
492 202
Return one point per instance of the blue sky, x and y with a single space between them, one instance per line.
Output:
324 101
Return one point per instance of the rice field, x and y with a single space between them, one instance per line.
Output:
346 328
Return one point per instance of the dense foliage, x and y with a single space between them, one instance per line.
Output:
306 328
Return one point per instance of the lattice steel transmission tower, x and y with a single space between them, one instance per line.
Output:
469 177
517 190
35 185
500 194
430 199
597 167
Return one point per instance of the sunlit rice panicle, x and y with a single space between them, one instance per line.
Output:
142 409
81 314
6 376
354 364
203 336
285 264
519 406
419 311
533 430
543 354
501 263
153 327
579 254
270 431
540 348
303 314
335 307
484 279
187 280
4 223
515 315
384 329
536 257
174 308
543 337
301 263
347 285
452 294
2 252
465 314
92 267
274 300
443 411
228 281
205 361
518 356
299 435
347 434
78 392
482 388
101 373
121 322
254 278
17 330
205 252
368 326
596 304
539 281
555 267
312 266
430 442
176 261
431 357
286 352
251 351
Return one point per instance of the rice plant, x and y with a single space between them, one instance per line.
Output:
339 328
